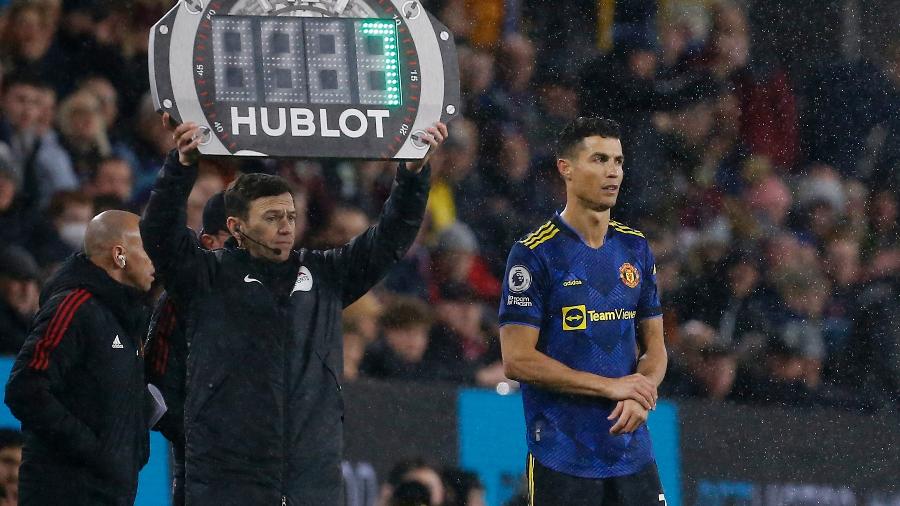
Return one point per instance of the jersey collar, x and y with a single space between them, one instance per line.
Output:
571 232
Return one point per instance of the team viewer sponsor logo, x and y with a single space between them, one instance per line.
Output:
574 317
577 317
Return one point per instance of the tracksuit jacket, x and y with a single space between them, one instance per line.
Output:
78 388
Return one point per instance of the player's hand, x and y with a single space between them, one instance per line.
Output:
187 138
629 415
637 387
434 136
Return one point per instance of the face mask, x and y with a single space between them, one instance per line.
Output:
73 234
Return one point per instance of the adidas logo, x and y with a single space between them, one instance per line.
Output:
117 345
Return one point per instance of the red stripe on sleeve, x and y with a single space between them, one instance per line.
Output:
60 315
55 333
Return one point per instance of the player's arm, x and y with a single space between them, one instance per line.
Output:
654 358
523 362
628 414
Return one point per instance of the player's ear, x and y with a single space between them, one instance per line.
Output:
564 168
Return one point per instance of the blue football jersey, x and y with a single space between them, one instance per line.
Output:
585 301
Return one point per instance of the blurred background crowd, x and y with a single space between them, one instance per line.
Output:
762 163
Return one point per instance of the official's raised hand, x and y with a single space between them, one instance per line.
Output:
187 139
434 136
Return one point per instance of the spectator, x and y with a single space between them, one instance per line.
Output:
882 247
463 488
703 365
455 259
344 224
799 326
460 340
411 493
872 363
19 296
207 185
28 36
842 265
785 380
112 176
62 234
152 143
107 97
301 224
83 132
413 470
11 443
403 352
360 323
16 221
451 167
42 166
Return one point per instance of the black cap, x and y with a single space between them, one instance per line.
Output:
214 216
17 263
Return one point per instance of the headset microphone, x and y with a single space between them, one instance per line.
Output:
276 251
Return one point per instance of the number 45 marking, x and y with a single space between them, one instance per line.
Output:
662 499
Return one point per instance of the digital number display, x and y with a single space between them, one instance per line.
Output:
378 72
236 79
306 60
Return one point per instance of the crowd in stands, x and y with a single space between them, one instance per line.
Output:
769 199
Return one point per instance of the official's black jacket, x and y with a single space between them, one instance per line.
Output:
263 411
78 387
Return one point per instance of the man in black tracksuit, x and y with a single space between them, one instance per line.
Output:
78 383
263 410
166 349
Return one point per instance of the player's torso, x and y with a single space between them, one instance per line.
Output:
591 304
590 300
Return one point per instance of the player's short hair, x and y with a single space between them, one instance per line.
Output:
406 312
248 187
581 128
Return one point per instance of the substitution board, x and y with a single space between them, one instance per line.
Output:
311 79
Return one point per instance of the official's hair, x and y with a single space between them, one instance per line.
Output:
582 128
249 187
406 312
